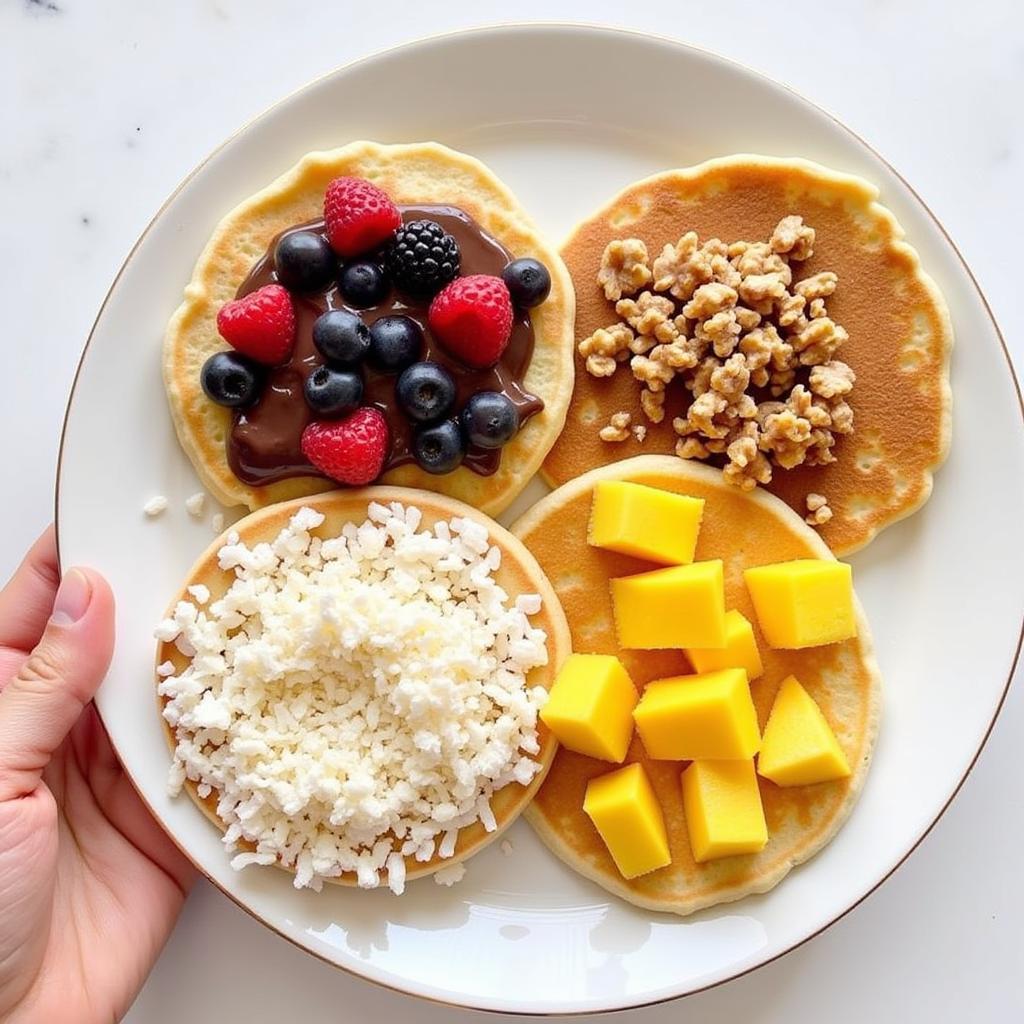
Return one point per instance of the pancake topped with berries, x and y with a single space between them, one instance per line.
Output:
377 313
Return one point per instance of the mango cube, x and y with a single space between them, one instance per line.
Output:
799 747
740 650
645 522
625 812
804 603
590 707
707 716
683 606
723 809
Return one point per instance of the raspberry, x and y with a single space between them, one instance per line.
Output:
423 257
260 325
472 319
358 216
351 451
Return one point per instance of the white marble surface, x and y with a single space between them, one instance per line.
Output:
106 105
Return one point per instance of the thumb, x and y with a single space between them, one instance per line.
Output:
43 701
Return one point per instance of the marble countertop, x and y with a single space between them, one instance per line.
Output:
108 104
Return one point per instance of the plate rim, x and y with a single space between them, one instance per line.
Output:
568 28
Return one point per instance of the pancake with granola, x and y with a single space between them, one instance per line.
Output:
766 316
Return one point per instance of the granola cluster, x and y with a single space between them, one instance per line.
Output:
748 337
818 512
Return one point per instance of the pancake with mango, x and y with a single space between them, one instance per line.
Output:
895 428
743 529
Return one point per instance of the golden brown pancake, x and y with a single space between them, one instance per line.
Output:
743 529
899 345
423 173
519 574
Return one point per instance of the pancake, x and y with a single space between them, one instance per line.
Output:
519 573
743 529
899 331
424 173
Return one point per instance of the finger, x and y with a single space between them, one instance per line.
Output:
121 804
26 601
45 698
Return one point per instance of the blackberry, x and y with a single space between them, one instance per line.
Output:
423 258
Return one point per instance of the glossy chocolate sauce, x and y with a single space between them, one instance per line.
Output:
264 443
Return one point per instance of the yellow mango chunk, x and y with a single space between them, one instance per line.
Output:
805 603
625 812
590 707
740 650
799 747
723 809
645 522
707 716
683 606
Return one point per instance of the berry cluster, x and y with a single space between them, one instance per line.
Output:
364 251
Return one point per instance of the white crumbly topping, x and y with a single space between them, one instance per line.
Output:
506 847
450 874
357 697
195 504
155 506
217 522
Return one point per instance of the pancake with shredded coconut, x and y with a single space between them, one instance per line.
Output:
351 684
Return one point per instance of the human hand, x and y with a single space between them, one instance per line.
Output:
90 886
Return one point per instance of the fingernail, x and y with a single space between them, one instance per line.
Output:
72 599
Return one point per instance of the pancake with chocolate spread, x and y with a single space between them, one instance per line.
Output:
898 325
743 528
254 458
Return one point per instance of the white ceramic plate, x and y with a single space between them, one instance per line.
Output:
944 590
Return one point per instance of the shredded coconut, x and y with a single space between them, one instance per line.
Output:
357 700
217 522
451 874
506 847
195 504
156 505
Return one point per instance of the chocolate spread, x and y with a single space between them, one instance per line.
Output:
264 443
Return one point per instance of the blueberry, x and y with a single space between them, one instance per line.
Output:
426 392
363 284
333 392
304 261
230 379
341 337
395 343
490 419
528 282
438 449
